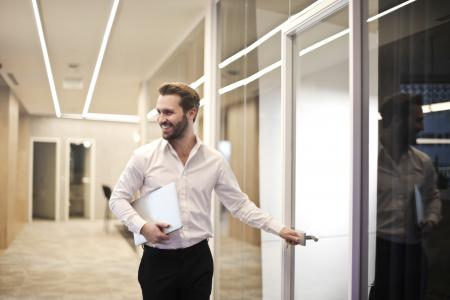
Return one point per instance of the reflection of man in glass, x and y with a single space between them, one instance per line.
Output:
408 204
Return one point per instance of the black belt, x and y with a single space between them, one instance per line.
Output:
187 249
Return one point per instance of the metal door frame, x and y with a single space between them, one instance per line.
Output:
358 226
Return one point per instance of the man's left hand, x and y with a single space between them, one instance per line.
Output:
426 227
292 237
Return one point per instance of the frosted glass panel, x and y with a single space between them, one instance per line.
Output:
323 161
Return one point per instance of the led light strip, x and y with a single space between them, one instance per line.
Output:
152 114
253 46
103 117
101 54
389 11
429 108
198 82
48 68
323 42
274 31
432 141
250 79
435 107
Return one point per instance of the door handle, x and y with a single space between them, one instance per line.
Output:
311 237
308 237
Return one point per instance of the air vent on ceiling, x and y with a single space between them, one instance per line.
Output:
73 83
12 78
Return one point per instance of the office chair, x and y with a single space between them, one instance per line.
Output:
107 193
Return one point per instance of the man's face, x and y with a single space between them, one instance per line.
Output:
410 127
171 117
415 123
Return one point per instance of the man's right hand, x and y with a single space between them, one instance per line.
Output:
153 232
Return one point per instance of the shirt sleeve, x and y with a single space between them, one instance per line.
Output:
239 205
129 183
431 194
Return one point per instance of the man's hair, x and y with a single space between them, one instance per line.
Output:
189 97
399 107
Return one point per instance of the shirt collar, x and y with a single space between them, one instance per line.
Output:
166 145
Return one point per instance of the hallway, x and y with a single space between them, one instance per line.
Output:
69 260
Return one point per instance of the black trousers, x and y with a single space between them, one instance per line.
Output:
400 272
181 274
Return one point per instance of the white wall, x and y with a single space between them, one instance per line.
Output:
113 142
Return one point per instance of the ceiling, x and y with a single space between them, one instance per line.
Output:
143 33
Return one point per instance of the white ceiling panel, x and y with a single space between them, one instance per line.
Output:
143 34
21 55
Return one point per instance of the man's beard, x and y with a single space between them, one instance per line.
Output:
178 129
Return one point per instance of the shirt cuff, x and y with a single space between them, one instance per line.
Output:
137 223
434 218
274 227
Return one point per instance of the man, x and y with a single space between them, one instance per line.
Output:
179 265
408 205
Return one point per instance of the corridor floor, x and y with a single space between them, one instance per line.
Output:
69 260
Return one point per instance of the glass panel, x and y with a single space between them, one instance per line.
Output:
237 257
233 72
323 161
296 6
250 260
263 16
231 15
185 64
264 103
409 211
266 54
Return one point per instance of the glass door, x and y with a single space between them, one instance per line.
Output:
323 162
317 77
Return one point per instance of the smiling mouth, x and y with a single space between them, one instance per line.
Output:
165 126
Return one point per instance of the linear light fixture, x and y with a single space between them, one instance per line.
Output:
389 10
198 82
265 37
101 54
103 117
432 141
153 113
249 79
429 108
324 42
253 46
48 68
435 107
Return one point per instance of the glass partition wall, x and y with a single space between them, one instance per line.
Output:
406 199
322 155
409 161
184 64
248 261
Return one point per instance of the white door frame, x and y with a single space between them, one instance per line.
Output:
57 174
307 18
67 177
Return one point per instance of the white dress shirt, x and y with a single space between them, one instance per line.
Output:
396 203
157 164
